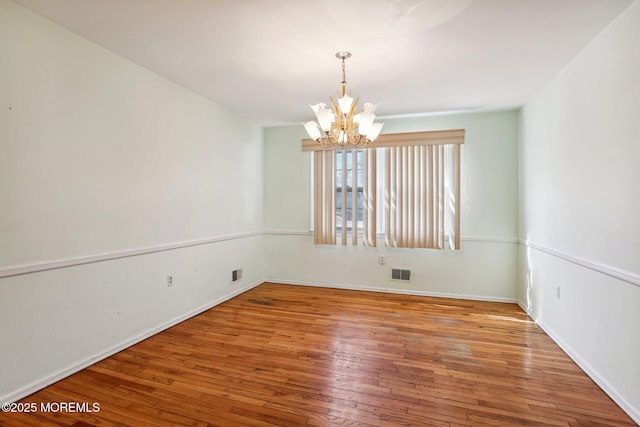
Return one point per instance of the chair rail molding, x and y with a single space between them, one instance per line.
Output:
609 270
107 256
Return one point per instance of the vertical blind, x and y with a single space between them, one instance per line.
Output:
414 197
324 198
369 227
421 183
422 196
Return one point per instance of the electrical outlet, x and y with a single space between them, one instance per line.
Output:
169 280
558 292
382 260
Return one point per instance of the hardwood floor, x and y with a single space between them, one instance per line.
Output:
293 355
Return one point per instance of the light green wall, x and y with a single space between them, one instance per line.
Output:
484 268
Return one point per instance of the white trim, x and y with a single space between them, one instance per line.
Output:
447 113
482 239
525 309
71 262
82 364
609 389
609 270
288 233
394 291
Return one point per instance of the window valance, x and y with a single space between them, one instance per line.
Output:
433 137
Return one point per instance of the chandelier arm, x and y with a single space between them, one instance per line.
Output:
336 109
338 125
351 126
325 142
355 104
362 142
358 141
353 109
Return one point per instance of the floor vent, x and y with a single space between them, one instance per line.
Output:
398 274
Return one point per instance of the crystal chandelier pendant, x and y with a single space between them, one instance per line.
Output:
341 125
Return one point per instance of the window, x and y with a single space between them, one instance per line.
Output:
409 189
354 183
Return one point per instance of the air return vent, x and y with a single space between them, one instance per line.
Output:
398 274
236 275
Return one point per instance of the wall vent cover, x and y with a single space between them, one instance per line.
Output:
399 274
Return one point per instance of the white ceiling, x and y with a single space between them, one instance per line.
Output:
268 59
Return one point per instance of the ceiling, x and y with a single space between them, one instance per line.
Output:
269 59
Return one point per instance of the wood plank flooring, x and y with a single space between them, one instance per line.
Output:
293 355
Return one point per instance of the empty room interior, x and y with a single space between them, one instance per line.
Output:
177 248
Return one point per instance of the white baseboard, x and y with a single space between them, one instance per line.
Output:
82 364
609 389
394 291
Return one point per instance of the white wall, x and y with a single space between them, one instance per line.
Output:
484 268
101 159
580 204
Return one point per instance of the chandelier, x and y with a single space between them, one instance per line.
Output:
340 124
